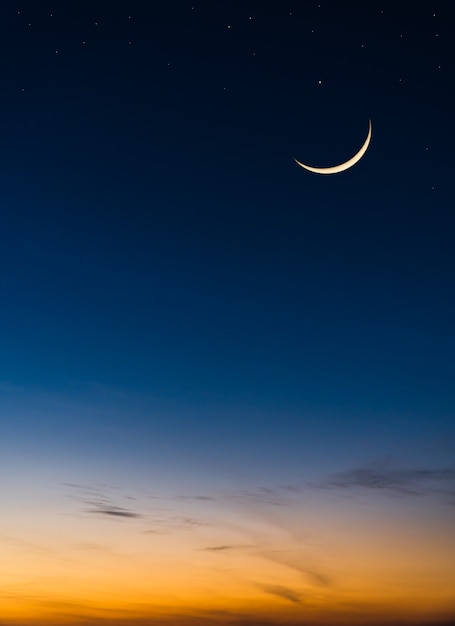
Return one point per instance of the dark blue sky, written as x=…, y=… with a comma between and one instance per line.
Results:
x=158, y=239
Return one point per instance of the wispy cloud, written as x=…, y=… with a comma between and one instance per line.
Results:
x=298, y=561
x=189, y=522
x=286, y=593
x=103, y=501
x=217, y=548
x=266, y=495
x=113, y=511
x=109, y=502
x=195, y=498
x=226, y=547
x=171, y=523
x=414, y=481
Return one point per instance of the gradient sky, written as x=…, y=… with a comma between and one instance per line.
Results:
x=226, y=383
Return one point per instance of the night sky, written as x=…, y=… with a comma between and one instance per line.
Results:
x=226, y=382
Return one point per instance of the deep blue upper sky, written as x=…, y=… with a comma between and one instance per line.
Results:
x=157, y=238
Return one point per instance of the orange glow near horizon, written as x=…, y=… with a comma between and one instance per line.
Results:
x=321, y=563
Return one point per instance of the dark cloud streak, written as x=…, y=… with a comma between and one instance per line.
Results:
x=226, y=548
x=410, y=482
x=285, y=593
x=114, y=511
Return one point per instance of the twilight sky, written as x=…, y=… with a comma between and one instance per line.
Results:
x=226, y=383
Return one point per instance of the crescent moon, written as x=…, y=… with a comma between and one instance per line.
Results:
x=343, y=166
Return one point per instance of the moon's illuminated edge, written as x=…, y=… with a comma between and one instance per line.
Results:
x=336, y=169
